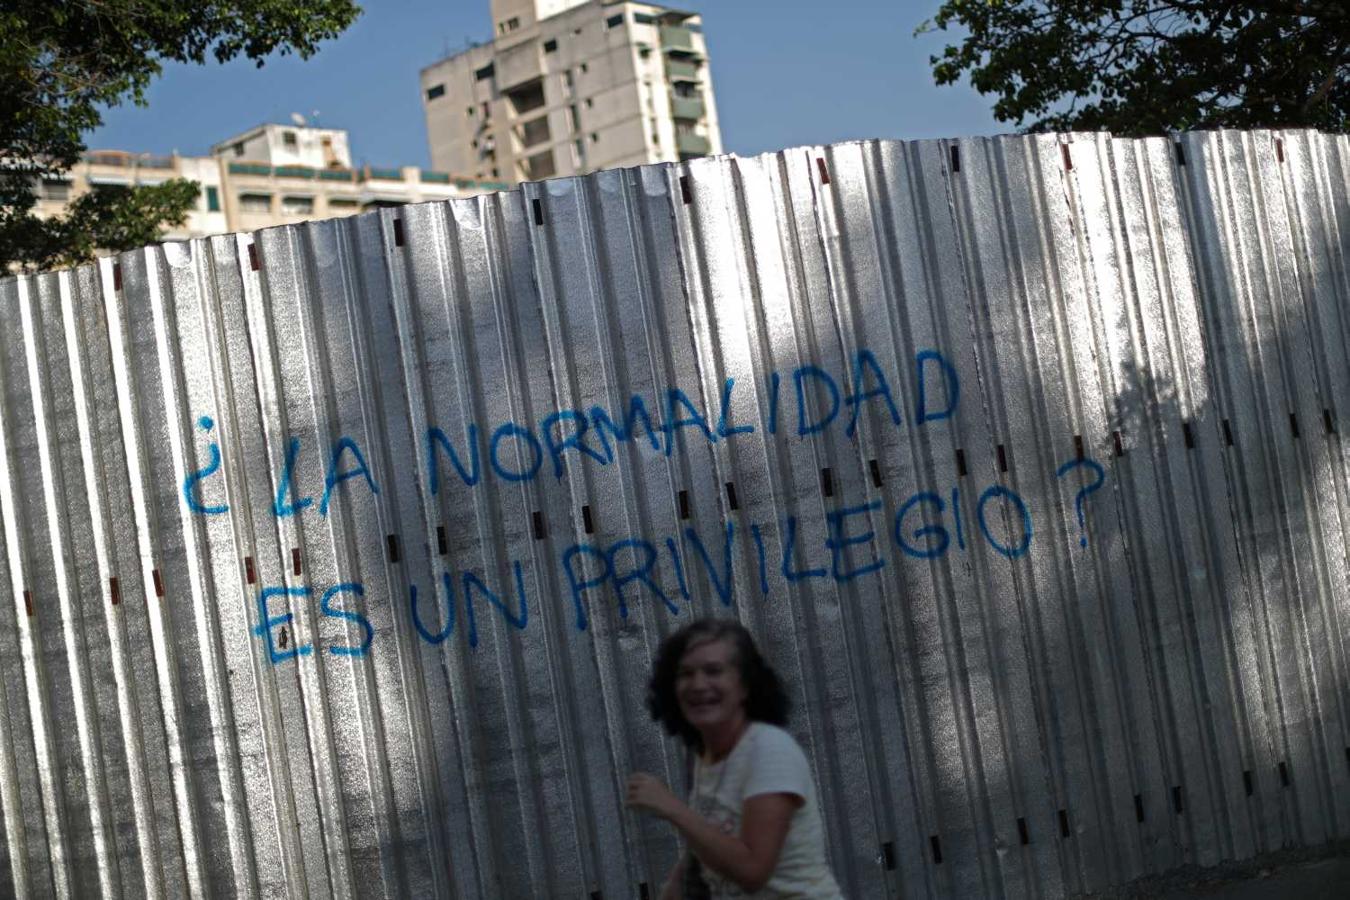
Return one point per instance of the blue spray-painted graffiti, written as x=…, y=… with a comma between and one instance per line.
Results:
x=1099, y=476
x=472, y=583
x=846, y=544
x=519, y=452
x=191, y=482
x=283, y=507
x=842, y=545
x=274, y=629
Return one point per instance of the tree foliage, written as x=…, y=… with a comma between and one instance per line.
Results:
x=1138, y=67
x=63, y=61
x=114, y=217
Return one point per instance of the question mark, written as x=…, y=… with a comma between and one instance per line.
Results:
x=1083, y=492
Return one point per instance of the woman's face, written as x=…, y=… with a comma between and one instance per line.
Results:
x=708, y=685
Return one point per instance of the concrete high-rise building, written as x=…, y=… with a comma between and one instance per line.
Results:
x=568, y=87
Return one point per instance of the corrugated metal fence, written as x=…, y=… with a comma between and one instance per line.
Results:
x=338, y=553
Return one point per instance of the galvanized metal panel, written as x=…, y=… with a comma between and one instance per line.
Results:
x=338, y=553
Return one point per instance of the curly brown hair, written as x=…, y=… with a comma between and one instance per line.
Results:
x=766, y=701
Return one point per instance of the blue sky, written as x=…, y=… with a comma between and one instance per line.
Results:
x=785, y=73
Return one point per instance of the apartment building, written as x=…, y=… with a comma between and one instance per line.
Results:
x=118, y=168
x=568, y=87
x=269, y=175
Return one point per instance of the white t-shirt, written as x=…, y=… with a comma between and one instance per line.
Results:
x=766, y=760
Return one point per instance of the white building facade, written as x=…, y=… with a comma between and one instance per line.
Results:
x=569, y=87
x=269, y=175
x=287, y=145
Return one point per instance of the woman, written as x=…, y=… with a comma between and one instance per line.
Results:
x=753, y=822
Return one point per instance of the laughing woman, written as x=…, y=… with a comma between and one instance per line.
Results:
x=752, y=823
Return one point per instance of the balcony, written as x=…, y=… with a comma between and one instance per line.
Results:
x=692, y=143
x=681, y=70
x=675, y=39
x=122, y=159
x=110, y=158
x=526, y=98
x=540, y=166
x=250, y=169
x=687, y=108
x=535, y=131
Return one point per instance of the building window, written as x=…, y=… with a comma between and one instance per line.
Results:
x=342, y=205
x=573, y=119
x=288, y=139
x=541, y=165
x=255, y=203
x=589, y=102
x=550, y=46
x=595, y=138
x=297, y=206
x=239, y=149
x=644, y=19
x=470, y=112
x=55, y=189
x=614, y=21
x=436, y=90
x=508, y=25
x=535, y=131
x=484, y=73
x=212, y=199
x=585, y=68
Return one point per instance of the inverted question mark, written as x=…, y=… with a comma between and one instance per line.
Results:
x=1083, y=492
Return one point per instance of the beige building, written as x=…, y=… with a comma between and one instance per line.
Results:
x=270, y=175
x=572, y=86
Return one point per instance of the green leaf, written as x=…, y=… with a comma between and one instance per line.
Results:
x=1137, y=67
